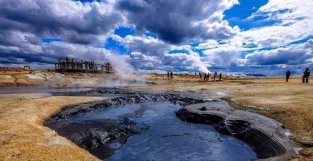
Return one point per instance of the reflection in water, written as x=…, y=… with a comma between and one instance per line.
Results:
x=165, y=137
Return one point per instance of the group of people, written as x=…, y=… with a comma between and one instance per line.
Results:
x=305, y=77
x=206, y=76
x=203, y=76
x=170, y=75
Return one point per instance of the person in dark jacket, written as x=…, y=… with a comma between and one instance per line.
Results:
x=214, y=76
x=208, y=77
x=306, y=75
x=288, y=74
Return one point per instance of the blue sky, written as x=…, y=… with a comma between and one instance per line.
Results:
x=238, y=14
x=245, y=36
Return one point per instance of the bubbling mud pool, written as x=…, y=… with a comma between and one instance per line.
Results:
x=151, y=132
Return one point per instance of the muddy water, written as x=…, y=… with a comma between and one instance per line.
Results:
x=163, y=136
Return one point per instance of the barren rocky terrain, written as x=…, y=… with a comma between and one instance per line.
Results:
x=22, y=112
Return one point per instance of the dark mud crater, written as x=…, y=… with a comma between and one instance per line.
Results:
x=97, y=136
x=264, y=145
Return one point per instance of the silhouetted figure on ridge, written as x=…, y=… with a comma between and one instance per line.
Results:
x=168, y=75
x=288, y=74
x=221, y=76
x=172, y=75
x=200, y=75
x=306, y=75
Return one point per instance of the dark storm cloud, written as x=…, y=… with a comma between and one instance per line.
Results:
x=72, y=21
x=83, y=24
x=24, y=58
x=176, y=21
x=24, y=23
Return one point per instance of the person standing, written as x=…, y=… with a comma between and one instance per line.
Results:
x=208, y=76
x=168, y=75
x=288, y=74
x=306, y=75
x=200, y=75
x=220, y=76
x=172, y=75
x=214, y=76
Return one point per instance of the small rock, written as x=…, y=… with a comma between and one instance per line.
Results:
x=203, y=109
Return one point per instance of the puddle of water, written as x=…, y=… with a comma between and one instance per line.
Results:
x=168, y=138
